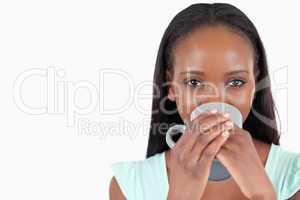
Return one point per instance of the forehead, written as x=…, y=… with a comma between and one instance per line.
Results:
x=212, y=49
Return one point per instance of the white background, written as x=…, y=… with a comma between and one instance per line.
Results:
x=45, y=156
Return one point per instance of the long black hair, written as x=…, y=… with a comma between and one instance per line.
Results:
x=191, y=18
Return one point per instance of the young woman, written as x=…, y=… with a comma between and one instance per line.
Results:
x=211, y=53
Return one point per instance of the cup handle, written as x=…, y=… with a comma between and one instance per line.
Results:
x=217, y=173
x=174, y=130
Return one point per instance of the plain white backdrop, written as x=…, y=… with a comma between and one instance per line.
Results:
x=66, y=66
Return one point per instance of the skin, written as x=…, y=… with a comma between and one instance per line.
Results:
x=216, y=51
x=225, y=60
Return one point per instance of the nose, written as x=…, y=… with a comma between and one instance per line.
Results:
x=215, y=93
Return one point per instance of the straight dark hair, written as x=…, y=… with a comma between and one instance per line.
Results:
x=261, y=121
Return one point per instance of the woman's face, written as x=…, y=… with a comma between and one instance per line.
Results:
x=212, y=64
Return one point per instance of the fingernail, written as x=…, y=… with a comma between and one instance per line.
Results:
x=206, y=133
x=214, y=111
x=229, y=123
x=225, y=134
x=226, y=115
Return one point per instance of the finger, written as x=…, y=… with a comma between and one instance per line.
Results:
x=204, y=124
x=202, y=116
x=188, y=133
x=187, y=140
x=210, y=152
x=205, y=140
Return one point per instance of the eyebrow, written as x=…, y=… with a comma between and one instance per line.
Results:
x=202, y=73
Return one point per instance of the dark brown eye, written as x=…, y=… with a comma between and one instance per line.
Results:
x=236, y=83
x=193, y=82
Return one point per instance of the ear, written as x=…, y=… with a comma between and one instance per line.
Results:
x=171, y=93
x=253, y=96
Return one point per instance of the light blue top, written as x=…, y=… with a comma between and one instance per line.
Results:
x=147, y=179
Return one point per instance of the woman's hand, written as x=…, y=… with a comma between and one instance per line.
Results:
x=191, y=158
x=240, y=158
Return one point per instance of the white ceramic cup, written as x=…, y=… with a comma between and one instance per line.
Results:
x=218, y=172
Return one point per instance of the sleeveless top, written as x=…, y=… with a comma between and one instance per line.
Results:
x=147, y=179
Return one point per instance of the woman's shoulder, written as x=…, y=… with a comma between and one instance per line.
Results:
x=135, y=177
x=138, y=166
x=283, y=158
x=283, y=168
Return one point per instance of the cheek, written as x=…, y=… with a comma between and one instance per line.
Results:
x=242, y=99
x=186, y=102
